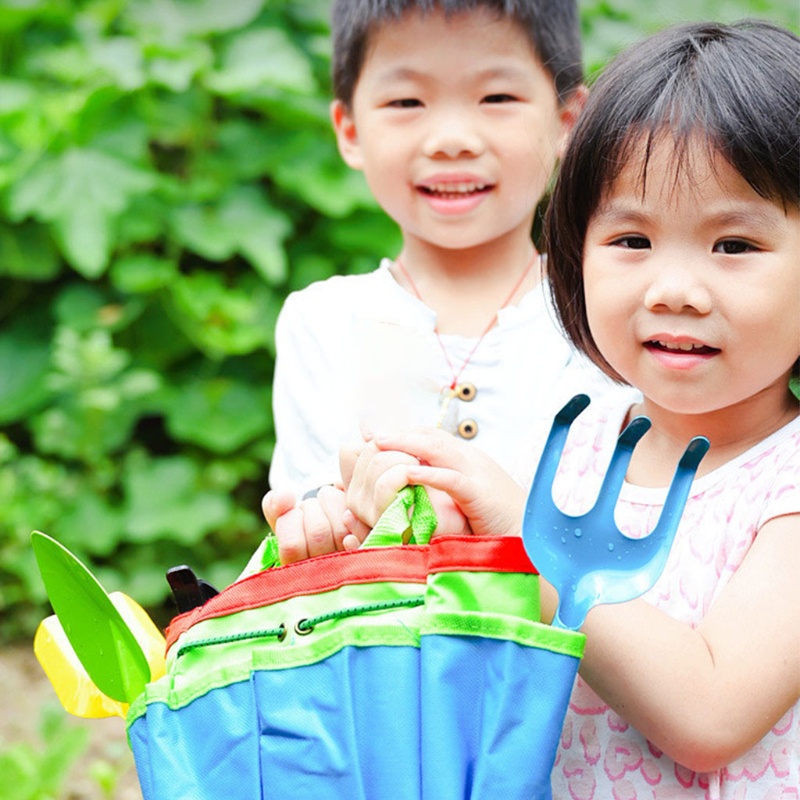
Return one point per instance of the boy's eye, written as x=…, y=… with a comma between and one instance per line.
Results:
x=733, y=247
x=405, y=102
x=499, y=98
x=632, y=242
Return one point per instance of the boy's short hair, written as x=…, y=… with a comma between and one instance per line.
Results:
x=732, y=88
x=551, y=26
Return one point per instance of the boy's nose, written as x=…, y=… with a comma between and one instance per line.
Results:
x=452, y=136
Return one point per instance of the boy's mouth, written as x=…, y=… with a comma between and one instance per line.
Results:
x=455, y=191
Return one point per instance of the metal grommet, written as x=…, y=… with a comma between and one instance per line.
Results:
x=282, y=634
x=468, y=429
x=466, y=392
x=302, y=628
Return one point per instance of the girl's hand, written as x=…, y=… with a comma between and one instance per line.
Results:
x=478, y=488
x=373, y=478
x=312, y=527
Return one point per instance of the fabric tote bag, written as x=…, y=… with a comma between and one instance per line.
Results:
x=414, y=667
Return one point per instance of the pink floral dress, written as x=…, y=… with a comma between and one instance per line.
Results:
x=601, y=757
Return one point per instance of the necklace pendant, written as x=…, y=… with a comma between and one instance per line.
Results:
x=448, y=411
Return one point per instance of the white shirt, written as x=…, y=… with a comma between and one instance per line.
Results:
x=361, y=350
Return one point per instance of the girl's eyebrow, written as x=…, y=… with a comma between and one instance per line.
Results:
x=751, y=216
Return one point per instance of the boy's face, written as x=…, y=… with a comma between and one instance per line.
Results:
x=456, y=126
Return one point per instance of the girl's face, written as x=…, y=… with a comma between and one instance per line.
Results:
x=693, y=285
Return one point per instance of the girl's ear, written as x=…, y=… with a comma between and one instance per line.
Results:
x=569, y=113
x=344, y=127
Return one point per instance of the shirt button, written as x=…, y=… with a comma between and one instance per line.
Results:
x=468, y=429
x=466, y=392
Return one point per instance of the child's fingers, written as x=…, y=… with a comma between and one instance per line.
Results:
x=291, y=536
x=276, y=503
x=318, y=529
x=431, y=445
x=357, y=531
x=333, y=503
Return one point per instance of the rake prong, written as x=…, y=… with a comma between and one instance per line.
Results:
x=586, y=558
x=628, y=439
x=540, y=496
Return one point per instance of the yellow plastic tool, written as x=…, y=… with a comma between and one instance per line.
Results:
x=74, y=688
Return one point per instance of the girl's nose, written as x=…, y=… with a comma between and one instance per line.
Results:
x=678, y=288
x=452, y=135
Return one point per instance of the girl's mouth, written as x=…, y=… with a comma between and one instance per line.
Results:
x=688, y=348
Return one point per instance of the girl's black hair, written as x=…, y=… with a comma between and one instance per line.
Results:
x=734, y=88
x=551, y=26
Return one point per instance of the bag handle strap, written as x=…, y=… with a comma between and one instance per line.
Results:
x=409, y=519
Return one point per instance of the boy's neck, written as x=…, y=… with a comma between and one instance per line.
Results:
x=466, y=288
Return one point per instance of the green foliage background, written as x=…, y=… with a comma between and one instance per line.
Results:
x=167, y=175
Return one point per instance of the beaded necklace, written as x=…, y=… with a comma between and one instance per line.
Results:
x=452, y=391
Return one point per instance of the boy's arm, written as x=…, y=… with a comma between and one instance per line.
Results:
x=308, y=398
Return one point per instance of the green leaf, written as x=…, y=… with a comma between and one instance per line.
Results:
x=82, y=192
x=27, y=252
x=142, y=273
x=24, y=364
x=225, y=320
x=165, y=499
x=175, y=19
x=263, y=56
x=242, y=223
x=220, y=414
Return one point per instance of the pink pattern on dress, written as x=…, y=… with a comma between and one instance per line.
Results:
x=601, y=757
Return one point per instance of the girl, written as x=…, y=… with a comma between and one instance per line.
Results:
x=674, y=236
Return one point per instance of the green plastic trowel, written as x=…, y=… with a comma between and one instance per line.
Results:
x=102, y=640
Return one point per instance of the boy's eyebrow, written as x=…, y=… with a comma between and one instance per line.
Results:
x=410, y=74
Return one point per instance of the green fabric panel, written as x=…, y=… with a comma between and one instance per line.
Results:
x=233, y=661
x=514, y=594
x=498, y=626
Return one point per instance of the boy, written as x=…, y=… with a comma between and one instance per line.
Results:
x=456, y=112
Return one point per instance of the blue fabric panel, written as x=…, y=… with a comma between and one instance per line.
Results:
x=493, y=713
x=346, y=727
x=207, y=750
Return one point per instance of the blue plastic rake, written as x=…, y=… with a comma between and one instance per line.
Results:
x=586, y=558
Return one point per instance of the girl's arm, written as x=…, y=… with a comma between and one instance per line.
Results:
x=703, y=696
x=706, y=696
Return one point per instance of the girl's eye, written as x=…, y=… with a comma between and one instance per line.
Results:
x=405, y=102
x=734, y=247
x=499, y=98
x=632, y=242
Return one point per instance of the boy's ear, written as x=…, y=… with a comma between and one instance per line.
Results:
x=569, y=113
x=344, y=127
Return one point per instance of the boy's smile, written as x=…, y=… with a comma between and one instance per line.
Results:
x=456, y=126
x=692, y=285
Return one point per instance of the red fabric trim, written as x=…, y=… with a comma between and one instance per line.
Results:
x=409, y=564
x=479, y=554
x=313, y=576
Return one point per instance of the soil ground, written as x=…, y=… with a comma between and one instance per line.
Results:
x=24, y=693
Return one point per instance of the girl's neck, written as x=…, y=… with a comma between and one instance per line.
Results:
x=467, y=287
x=731, y=431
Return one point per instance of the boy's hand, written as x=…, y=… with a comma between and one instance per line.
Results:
x=491, y=501
x=311, y=527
